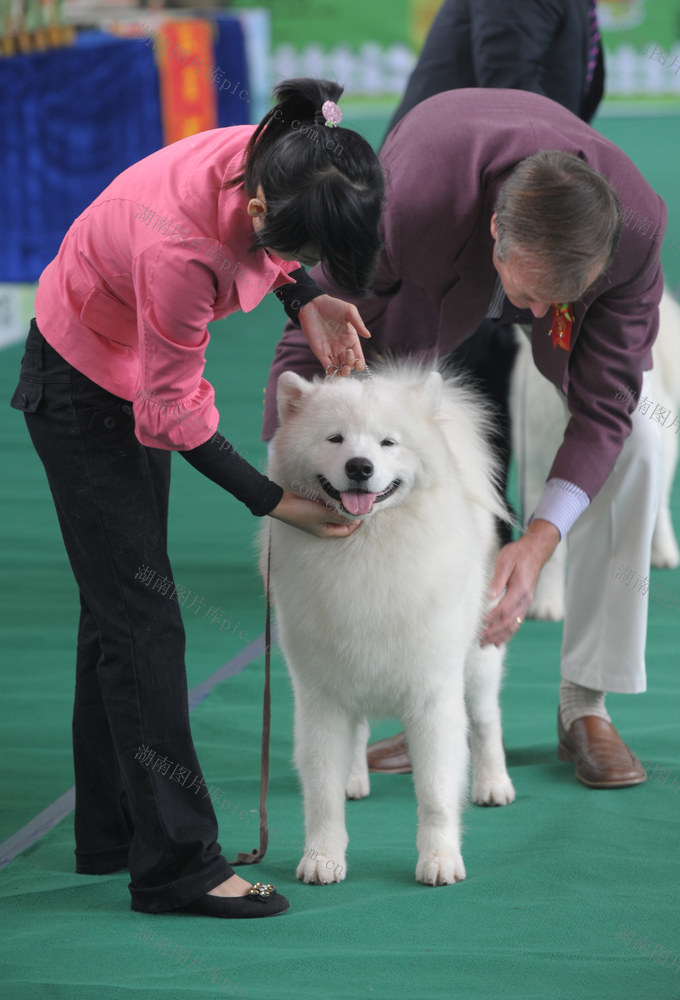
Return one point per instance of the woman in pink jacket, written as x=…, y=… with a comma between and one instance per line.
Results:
x=112, y=383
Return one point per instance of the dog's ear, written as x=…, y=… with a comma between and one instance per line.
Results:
x=291, y=389
x=430, y=392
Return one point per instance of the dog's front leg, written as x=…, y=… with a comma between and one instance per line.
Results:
x=323, y=750
x=438, y=745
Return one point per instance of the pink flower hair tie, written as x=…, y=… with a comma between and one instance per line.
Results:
x=332, y=114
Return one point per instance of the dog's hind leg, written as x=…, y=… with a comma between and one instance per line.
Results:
x=548, y=602
x=359, y=784
x=491, y=784
x=438, y=748
x=664, y=545
x=323, y=753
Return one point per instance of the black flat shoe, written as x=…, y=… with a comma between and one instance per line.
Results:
x=261, y=901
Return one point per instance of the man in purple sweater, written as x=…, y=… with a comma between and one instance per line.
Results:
x=476, y=225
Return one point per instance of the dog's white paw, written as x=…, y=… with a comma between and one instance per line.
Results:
x=493, y=791
x=358, y=784
x=318, y=868
x=440, y=869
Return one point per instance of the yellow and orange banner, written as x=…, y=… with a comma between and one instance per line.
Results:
x=186, y=58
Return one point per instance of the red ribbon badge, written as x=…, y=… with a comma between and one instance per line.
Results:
x=562, y=322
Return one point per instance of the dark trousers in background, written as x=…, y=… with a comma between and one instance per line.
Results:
x=487, y=358
x=141, y=801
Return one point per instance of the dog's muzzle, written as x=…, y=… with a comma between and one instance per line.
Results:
x=357, y=501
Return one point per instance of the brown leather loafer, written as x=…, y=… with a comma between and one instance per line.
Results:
x=602, y=758
x=389, y=756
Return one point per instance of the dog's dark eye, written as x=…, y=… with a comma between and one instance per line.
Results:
x=387, y=443
x=335, y=439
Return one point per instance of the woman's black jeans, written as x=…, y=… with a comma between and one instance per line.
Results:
x=141, y=801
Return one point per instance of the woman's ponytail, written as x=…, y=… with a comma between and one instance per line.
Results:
x=323, y=186
x=298, y=103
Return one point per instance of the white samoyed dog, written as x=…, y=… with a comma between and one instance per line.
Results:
x=386, y=622
x=535, y=443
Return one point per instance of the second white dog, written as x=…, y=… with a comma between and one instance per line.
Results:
x=386, y=621
x=539, y=417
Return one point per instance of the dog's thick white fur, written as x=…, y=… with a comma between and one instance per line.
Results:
x=386, y=621
x=535, y=443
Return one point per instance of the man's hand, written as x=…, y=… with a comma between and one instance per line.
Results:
x=516, y=572
x=313, y=517
x=333, y=328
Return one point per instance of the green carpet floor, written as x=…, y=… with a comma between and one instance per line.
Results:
x=570, y=893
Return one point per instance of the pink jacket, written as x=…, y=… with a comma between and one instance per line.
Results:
x=162, y=252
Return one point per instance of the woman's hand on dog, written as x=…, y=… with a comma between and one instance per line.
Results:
x=515, y=575
x=333, y=328
x=313, y=517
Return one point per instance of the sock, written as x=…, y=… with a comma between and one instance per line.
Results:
x=577, y=701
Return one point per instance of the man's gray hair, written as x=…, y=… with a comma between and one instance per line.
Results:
x=560, y=217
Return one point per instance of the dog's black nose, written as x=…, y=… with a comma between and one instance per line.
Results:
x=359, y=469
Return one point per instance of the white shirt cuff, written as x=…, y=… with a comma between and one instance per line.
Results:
x=561, y=504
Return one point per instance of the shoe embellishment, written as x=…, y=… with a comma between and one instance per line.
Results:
x=261, y=891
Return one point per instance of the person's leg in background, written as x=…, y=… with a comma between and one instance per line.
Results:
x=605, y=624
x=487, y=358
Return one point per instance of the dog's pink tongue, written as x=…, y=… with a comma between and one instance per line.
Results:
x=358, y=503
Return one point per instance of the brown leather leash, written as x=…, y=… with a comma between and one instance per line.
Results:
x=259, y=852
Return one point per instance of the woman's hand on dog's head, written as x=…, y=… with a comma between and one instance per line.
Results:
x=313, y=517
x=333, y=328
